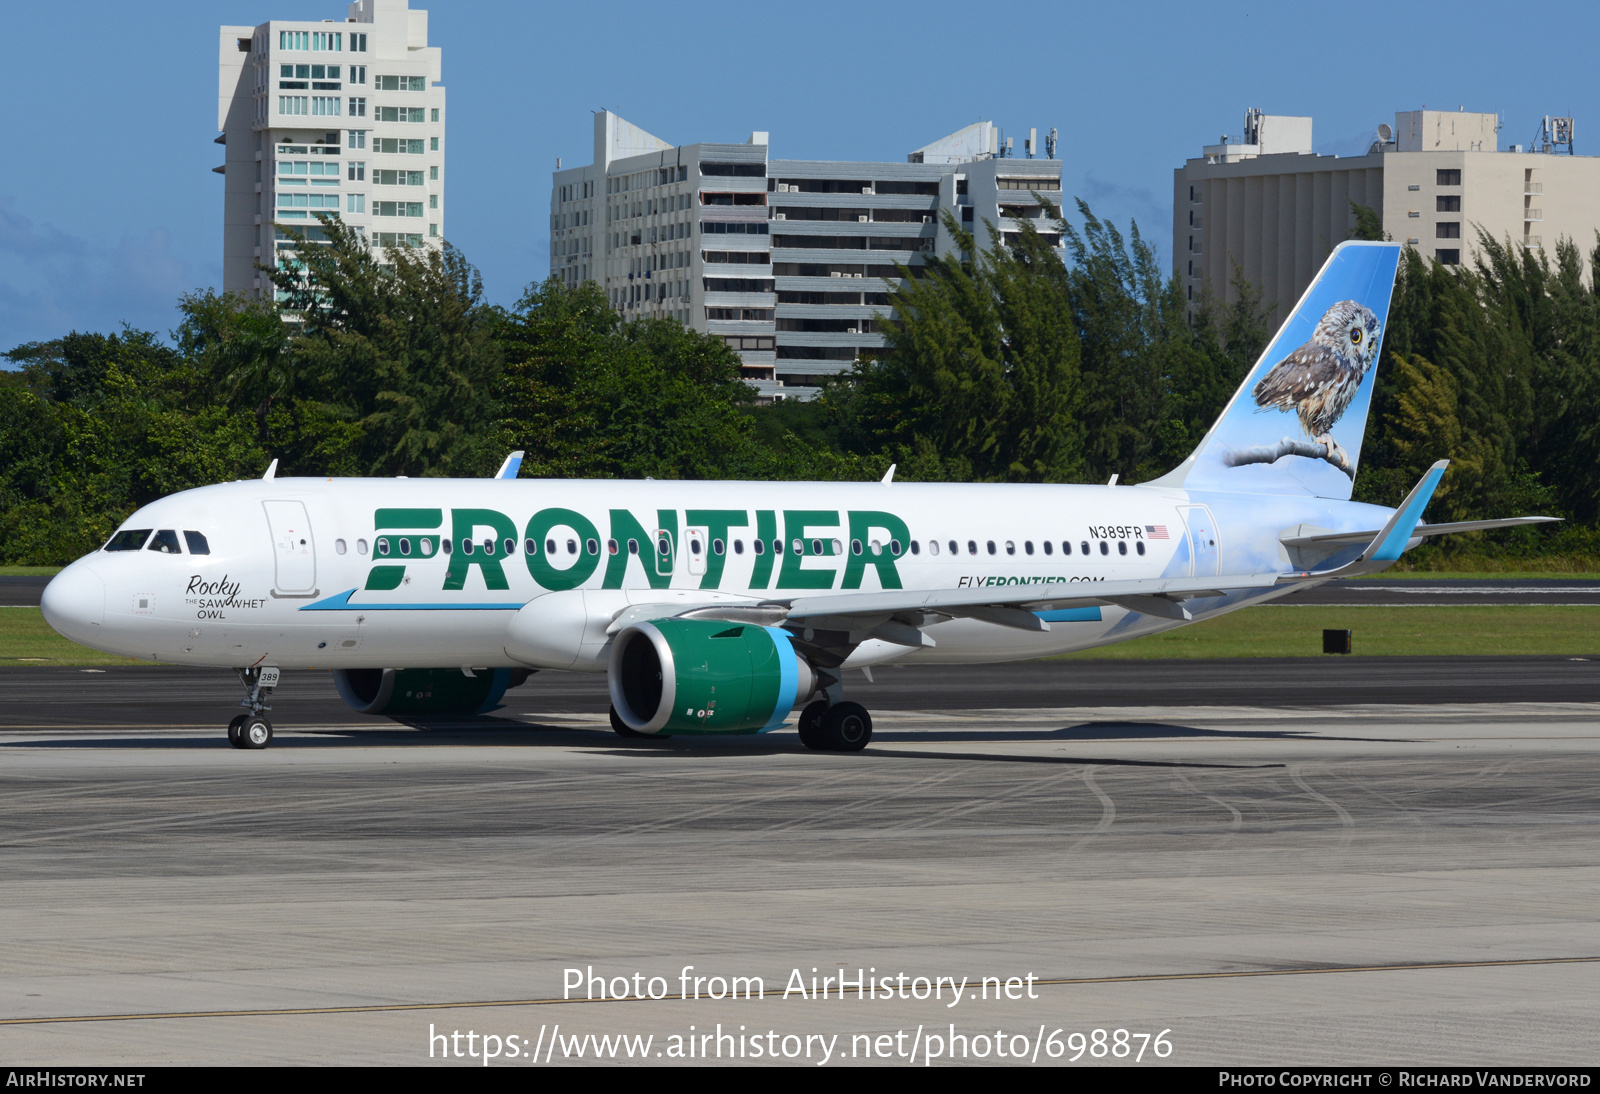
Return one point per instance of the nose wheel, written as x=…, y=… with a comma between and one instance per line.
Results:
x=253, y=730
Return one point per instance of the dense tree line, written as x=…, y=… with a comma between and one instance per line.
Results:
x=1011, y=363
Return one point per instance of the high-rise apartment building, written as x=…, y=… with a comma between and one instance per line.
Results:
x=791, y=261
x=343, y=118
x=1270, y=204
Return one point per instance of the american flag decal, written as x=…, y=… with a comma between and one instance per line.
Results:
x=1156, y=531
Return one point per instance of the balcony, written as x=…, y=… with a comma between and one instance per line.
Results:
x=1532, y=189
x=1532, y=214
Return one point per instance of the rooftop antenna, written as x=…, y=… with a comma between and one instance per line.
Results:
x=1031, y=146
x=1050, y=144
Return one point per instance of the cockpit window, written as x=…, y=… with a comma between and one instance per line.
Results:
x=165, y=541
x=129, y=539
x=198, y=545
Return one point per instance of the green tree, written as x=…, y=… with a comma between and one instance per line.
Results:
x=404, y=346
x=980, y=378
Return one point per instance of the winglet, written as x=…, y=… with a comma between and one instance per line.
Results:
x=888, y=476
x=272, y=471
x=1391, y=540
x=509, y=469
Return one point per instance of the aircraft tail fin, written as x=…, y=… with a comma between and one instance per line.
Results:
x=1295, y=424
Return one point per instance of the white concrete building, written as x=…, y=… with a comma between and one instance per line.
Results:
x=1269, y=203
x=791, y=261
x=345, y=118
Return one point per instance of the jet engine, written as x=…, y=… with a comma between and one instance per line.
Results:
x=706, y=676
x=425, y=691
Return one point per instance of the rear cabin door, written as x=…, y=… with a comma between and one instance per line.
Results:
x=1203, y=540
x=696, y=540
x=294, y=551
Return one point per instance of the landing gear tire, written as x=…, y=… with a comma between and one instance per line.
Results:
x=622, y=729
x=234, y=727
x=813, y=720
x=255, y=732
x=847, y=727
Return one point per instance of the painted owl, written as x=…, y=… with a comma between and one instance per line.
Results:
x=1318, y=380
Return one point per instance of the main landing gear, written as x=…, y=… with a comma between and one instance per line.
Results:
x=253, y=730
x=839, y=727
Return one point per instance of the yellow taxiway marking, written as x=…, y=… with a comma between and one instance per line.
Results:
x=381, y=1008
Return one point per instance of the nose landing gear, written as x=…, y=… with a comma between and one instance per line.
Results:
x=253, y=730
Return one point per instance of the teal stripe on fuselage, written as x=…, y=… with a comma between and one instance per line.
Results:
x=341, y=603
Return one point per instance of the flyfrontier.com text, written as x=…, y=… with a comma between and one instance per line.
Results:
x=866, y=985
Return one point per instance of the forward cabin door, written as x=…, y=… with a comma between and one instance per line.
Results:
x=1203, y=546
x=294, y=551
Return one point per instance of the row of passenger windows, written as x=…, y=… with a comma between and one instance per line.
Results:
x=165, y=541
x=426, y=545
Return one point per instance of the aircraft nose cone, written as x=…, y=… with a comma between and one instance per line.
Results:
x=74, y=602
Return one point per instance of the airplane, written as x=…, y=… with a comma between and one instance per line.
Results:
x=721, y=607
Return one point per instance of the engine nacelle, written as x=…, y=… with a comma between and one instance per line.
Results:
x=425, y=691
x=706, y=676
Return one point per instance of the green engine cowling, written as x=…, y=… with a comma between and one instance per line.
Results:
x=425, y=691
x=706, y=676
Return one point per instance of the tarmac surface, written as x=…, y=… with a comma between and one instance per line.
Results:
x=1268, y=881
x=26, y=590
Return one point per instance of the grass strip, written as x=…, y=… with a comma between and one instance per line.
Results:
x=26, y=639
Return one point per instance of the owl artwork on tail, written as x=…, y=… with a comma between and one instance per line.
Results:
x=1318, y=380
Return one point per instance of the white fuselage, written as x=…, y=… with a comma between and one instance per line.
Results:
x=354, y=573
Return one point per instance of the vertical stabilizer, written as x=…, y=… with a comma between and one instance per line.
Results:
x=1295, y=424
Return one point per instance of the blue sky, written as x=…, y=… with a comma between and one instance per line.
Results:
x=109, y=209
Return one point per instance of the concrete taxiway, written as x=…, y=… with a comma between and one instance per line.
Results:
x=1269, y=882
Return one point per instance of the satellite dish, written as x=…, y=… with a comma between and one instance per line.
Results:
x=1385, y=134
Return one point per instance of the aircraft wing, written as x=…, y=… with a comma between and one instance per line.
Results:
x=1015, y=605
x=1344, y=539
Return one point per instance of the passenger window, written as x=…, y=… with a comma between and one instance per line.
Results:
x=572, y=546
x=549, y=546
x=338, y=547
x=198, y=545
x=383, y=545
x=361, y=546
x=130, y=539
x=933, y=546
x=488, y=547
x=633, y=546
x=446, y=545
x=877, y=548
x=738, y=546
x=466, y=547
x=894, y=547
x=838, y=548
x=972, y=546
x=1084, y=545
x=165, y=541
x=1122, y=546
x=914, y=548
x=759, y=546
x=799, y=547
x=612, y=547
x=954, y=549
x=591, y=546
x=816, y=546
x=1048, y=548
x=405, y=545
x=1011, y=547
x=1139, y=546
x=1104, y=549
x=510, y=546
x=1028, y=546
x=777, y=546
x=694, y=546
x=991, y=546
x=716, y=547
